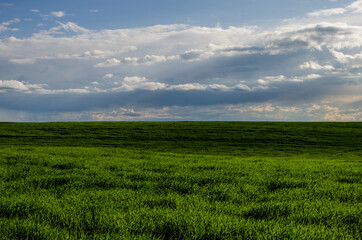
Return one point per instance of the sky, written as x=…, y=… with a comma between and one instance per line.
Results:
x=168, y=60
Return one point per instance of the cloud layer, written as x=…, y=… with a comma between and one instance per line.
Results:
x=304, y=69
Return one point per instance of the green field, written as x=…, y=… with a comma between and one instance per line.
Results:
x=181, y=180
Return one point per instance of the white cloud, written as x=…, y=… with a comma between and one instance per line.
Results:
x=309, y=76
x=219, y=87
x=134, y=79
x=275, y=79
x=18, y=86
x=288, y=109
x=95, y=10
x=58, y=14
x=148, y=60
x=196, y=54
x=108, y=76
x=243, y=87
x=14, y=85
x=108, y=63
x=355, y=7
x=236, y=112
x=346, y=99
x=123, y=114
x=314, y=107
x=35, y=10
x=349, y=60
x=335, y=114
x=59, y=91
x=70, y=26
x=194, y=43
x=22, y=61
x=262, y=108
x=190, y=55
x=315, y=66
x=327, y=12
x=87, y=55
x=280, y=79
x=311, y=112
x=4, y=26
x=197, y=43
x=142, y=83
x=188, y=87
x=135, y=82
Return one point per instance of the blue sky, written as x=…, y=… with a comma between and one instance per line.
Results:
x=111, y=14
x=181, y=60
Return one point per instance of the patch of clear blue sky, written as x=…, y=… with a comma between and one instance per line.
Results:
x=115, y=14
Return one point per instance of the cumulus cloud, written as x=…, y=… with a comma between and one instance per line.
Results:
x=107, y=41
x=70, y=26
x=4, y=26
x=14, y=85
x=355, y=7
x=57, y=14
x=333, y=113
x=349, y=60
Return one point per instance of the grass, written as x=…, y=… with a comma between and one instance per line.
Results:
x=186, y=180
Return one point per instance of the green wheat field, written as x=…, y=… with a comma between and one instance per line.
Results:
x=181, y=180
